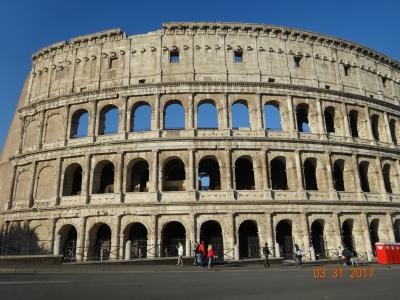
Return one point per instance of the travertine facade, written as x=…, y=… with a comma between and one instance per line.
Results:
x=332, y=182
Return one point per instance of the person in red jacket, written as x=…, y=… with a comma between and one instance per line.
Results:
x=210, y=255
x=202, y=253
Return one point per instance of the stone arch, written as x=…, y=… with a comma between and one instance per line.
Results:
x=141, y=113
x=79, y=124
x=23, y=183
x=347, y=234
x=389, y=178
x=209, y=173
x=302, y=118
x=108, y=119
x=104, y=177
x=174, y=175
x=174, y=115
x=278, y=174
x=318, y=239
x=172, y=233
x=136, y=240
x=393, y=130
x=68, y=236
x=211, y=234
x=240, y=114
x=244, y=173
x=353, y=120
x=137, y=177
x=310, y=174
x=363, y=169
x=207, y=115
x=329, y=117
x=375, y=127
x=338, y=175
x=72, y=185
x=52, y=126
x=31, y=131
x=99, y=242
x=45, y=183
x=249, y=241
x=272, y=116
x=374, y=234
x=284, y=238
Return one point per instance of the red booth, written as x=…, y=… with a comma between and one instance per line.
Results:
x=388, y=253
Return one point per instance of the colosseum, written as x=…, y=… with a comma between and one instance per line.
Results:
x=233, y=133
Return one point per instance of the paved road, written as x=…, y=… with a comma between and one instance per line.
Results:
x=197, y=283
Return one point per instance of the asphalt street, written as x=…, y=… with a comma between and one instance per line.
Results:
x=198, y=283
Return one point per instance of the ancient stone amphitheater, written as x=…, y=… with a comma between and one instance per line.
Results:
x=236, y=134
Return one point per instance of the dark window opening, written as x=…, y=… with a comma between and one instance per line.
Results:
x=103, y=243
x=271, y=79
x=374, y=234
x=384, y=81
x=209, y=175
x=329, y=115
x=346, y=69
x=139, y=177
x=317, y=239
x=284, y=239
x=211, y=234
x=238, y=56
x=278, y=174
x=79, y=124
x=392, y=127
x=72, y=180
x=174, y=175
x=396, y=228
x=172, y=234
x=310, y=175
x=338, y=169
x=174, y=56
x=353, y=116
x=375, y=127
x=297, y=60
x=106, y=184
x=327, y=87
x=249, y=243
x=347, y=234
x=138, y=236
x=142, y=81
x=244, y=174
x=386, y=178
x=363, y=171
x=302, y=118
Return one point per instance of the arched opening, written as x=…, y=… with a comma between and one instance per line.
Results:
x=353, y=119
x=209, y=174
x=101, y=239
x=249, y=243
x=72, y=180
x=68, y=240
x=207, y=115
x=278, y=174
x=310, y=174
x=138, y=177
x=240, y=115
x=244, y=174
x=347, y=234
x=393, y=129
x=386, y=178
x=396, y=229
x=302, y=118
x=374, y=234
x=79, y=124
x=108, y=122
x=272, y=117
x=329, y=115
x=338, y=170
x=375, y=127
x=317, y=238
x=363, y=171
x=174, y=175
x=138, y=236
x=103, y=178
x=141, y=117
x=284, y=239
x=174, y=116
x=172, y=234
x=211, y=234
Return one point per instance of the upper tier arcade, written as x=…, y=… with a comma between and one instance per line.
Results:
x=212, y=52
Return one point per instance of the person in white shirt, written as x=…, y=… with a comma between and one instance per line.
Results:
x=180, y=255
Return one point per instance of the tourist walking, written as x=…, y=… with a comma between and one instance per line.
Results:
x=180, y=255
x=210, y=255
x=202, y=253
x=266, y=253
x=298, y=255
x=196, y=252
x=340, y=256
x=353, y=257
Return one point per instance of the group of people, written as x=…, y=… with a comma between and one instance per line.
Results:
x=200, y=255
x=348, y=256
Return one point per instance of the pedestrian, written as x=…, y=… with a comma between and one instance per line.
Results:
x=180, y=255
x=298, y=255
x=266, y=253
x=196, y=255
x=202, y=253
x=340, y=256
x=210, y=255
x=346, y=256
x=353, y=257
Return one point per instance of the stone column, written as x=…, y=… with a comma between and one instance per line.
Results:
x=292, y=125
x=228, y=169
x=346, y=125
x=226, y=112
x=264, y=163
x=390, y=229
x=337, y=229
x=86, y=178
x=21, y=134
x=380, y=175
x=299, y=171
x=41, y=129
x=356, y=174
x=66, y=124
x=191, y=169
x=367, y=238
x=81, y=250
x=156, y=113
x=329, y=173
x=122, y=128
x=12, y=188
x=387, y=127
x=93, y=120
x=32, y=184
x=190, y=118
x=156, y=249
x=321, y=124
x=270, y=233
x=368, y=124
x=154, y=174
x=259, y=112
x=306, y=235
x=58, y=181
x=120, y=176
x=115, y=238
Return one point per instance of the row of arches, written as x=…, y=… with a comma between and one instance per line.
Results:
x=208, y=118
x=137, y=243
x=209, y=176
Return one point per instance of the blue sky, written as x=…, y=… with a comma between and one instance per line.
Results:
x=26, y=26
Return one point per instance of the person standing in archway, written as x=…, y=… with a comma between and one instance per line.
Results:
x=298, y=255
x=202, y=252
x=180, y=255
x=266, y=253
